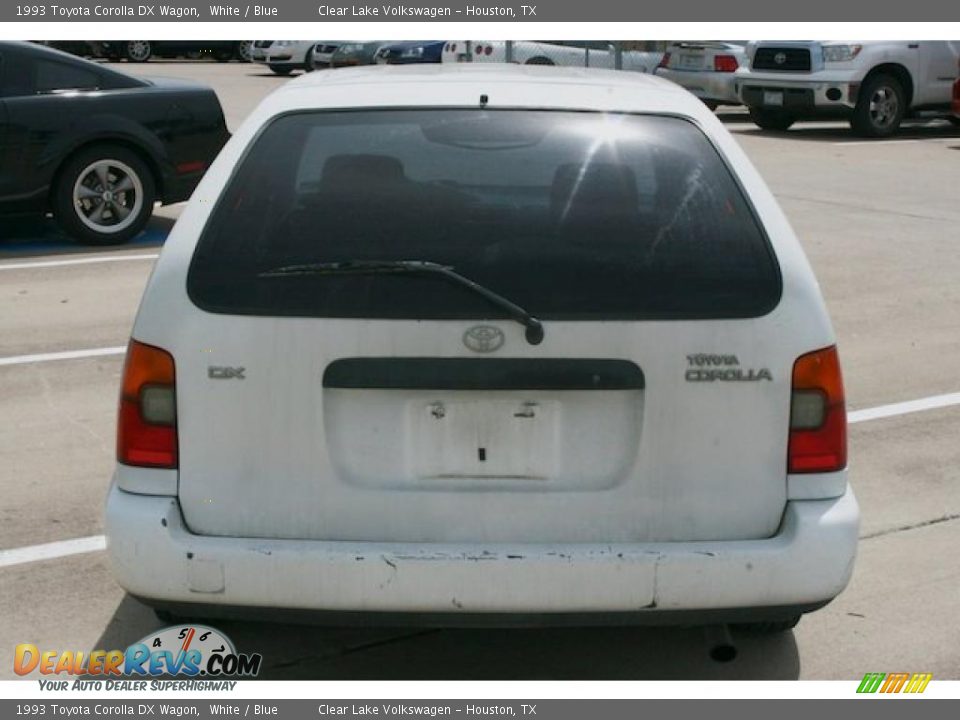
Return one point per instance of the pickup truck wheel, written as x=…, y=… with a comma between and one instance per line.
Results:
x=281, y=69
x=768, y=119
x=104, y=195
x=880, y=107
x=769, y=627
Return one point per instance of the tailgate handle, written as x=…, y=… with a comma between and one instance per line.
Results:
x=483, y=374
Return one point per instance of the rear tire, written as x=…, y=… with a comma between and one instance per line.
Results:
x=244, y=50
x=103, y=195
x=767, y=119
x=138, y=51
x=768, y=627
x=281, y=69
x=539, y=61
x=308, y=61
x=880, y=107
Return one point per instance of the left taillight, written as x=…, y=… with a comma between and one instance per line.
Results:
x=147, y=422
x=818, y=414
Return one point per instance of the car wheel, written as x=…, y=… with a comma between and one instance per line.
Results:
x=771, y=119
x=104, y=195
x=768, y=627
x=880, y=107
x=955, y=120
x=281, y=69
x=711, y=104
x=539, y=61
x=308, y=61
x=223, y=56
x=244, y=50
x=138, y=50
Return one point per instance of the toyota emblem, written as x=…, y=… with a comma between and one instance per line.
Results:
x=484, y=338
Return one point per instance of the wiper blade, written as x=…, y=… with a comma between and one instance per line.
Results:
x=534, y=328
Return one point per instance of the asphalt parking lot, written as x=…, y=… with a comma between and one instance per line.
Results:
x=880, y=222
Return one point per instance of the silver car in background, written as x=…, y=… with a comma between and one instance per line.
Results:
x=284, y=56
x=322, y=53
x=706, y=69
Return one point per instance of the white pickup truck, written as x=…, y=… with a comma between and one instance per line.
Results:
x=873, y=84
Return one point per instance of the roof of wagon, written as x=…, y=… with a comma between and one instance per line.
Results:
x=447, y=84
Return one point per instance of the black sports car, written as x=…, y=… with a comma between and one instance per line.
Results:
x=143, y=50
x=98, y=148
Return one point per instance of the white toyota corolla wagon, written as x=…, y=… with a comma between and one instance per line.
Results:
x=483, y=343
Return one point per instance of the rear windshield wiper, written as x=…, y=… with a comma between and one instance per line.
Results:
x=534, y=328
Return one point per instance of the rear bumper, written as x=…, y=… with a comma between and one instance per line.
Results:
x=824, y=93
x=714, y=86
x=155, y=557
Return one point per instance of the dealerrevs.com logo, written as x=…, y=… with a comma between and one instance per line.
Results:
x=185, y=650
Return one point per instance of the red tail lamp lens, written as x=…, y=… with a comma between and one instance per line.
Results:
x=147, y=426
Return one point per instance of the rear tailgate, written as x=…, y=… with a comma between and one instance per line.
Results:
x=406, y=408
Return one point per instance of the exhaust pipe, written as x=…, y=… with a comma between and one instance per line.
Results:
x=720, y=645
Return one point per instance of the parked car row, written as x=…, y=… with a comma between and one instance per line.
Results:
x=875, y=85
x=144, y=50
x=285, y=56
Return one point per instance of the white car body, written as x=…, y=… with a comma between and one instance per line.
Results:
x=826, y=86
x=673, y=497
x=527, y=52
x=692, y=66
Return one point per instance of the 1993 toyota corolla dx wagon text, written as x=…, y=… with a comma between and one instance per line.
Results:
x=484, y=343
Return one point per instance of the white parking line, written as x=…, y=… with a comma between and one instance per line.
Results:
x=49, y=551
x=898, y=142
x=903, y=408
x=78, y=261
x=66, y=355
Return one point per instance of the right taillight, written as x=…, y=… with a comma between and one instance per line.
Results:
x=664, y=61
x=725, y=63
x=147, y=423
x=818, y=416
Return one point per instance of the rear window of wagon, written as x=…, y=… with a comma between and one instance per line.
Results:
x=572, y=215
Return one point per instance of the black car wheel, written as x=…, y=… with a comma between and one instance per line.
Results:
x=104, y=195
x=768, y=119
x=138, y=50
x=539, y=61
x=281, y=69
x=308, y=61
x=244, y=50
x=880, y=107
